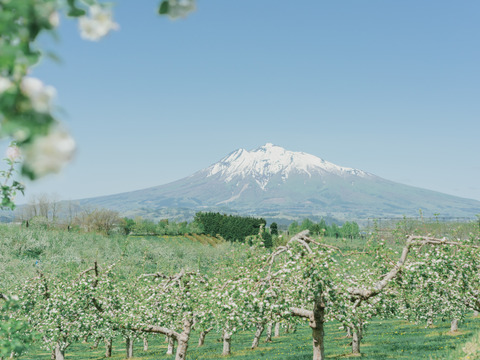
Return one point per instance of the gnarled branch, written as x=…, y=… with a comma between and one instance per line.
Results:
x=307, y=314
x=157, y=330
x=412, y=240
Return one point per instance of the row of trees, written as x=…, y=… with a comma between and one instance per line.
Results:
x=140, y=226
x=349, y=230
x=90, y=220
x=50, y=207
x=230, y=227
x=303, y=279
x=48, y=210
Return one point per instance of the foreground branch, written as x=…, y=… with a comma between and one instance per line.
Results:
x=412, y=240
x=157, y=330
x=307, y=314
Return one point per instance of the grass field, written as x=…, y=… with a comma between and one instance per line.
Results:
x=60, y=253
x=392, y=339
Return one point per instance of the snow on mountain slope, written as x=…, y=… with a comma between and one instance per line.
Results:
x=269, y=160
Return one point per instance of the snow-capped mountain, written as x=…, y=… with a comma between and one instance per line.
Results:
x=269, y=160
x=277, y=183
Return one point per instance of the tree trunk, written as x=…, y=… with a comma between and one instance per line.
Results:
x=171, y=345
x=183, y=340
x=454, y=325
x=269, y=332
x=430, y=319
x=291, y=328
x=59, y=352
x=349, y=332
x=227, y=339
x=108, y=348
x=475, y=313
x=317, y=330
x=145, y=343
x=129, y=347
x=277, y=330
x=356, y=339
x=201, y=339
x=258, y=333
x=203, y=334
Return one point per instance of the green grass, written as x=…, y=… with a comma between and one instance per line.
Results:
x=467, y=351
x=392, y=339
x=62, y=254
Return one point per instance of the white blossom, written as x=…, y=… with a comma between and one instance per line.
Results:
x=13, y=153
x=180, y=8
x=99, y=24
x=54, y=19
x=50, y=153
x=5, y=84
x=40, y=95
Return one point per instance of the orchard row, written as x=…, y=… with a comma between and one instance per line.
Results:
x=421, y=280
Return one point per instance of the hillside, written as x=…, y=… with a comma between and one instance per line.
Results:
x=276, y=183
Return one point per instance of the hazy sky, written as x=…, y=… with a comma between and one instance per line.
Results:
x=389, y=87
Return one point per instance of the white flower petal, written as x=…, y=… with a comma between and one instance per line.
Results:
x=13, y=153
x=40, y=95
x=49, y=154
x=98, y=24
x=5, y=84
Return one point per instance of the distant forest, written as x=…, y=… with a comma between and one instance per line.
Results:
x=230, y=227
x=349, y=229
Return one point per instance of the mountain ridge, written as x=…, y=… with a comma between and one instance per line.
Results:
x=273, y=181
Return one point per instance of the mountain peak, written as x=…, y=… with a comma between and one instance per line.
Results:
x=270, y=160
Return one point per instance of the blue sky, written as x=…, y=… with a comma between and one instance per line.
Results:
x=389, y=87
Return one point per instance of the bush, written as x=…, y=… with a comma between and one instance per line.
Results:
x=39, y=222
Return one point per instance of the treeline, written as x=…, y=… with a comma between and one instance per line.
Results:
x=348, y=230
x=230, y=227
x=140, y=226
x=43, y=212
x=47, y=211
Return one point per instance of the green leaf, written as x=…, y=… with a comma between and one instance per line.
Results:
x=74, y=10
x=28, y=172
x=164, y=8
